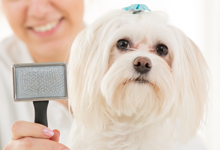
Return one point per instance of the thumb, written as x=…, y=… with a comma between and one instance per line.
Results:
x=56, y=135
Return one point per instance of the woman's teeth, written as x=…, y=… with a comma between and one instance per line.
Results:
x=46, y=27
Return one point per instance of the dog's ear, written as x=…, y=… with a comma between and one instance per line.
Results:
x=191, y=75
x=87, y=65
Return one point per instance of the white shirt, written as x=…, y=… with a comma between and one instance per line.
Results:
x=14, y=51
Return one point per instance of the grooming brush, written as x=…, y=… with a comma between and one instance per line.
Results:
x=40, y=82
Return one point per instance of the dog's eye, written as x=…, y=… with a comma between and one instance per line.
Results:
x=122, y=44
x=162, y=50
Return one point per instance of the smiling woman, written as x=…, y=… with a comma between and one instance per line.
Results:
x=45, y=26
x=43, y=32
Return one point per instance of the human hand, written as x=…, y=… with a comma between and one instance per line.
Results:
x=33, y=136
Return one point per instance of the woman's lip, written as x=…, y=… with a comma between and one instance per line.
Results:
x=47, y=33
x=42, y=23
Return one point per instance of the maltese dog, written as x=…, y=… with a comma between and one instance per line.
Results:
x=137, y=83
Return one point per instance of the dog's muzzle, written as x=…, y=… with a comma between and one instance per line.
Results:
x=142, y=64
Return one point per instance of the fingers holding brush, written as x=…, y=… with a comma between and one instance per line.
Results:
x=33, y=136
x=21, y=129
x=29, y=143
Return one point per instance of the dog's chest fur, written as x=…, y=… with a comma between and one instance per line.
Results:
x=153, y=137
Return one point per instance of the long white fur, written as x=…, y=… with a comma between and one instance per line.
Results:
x=112, y=113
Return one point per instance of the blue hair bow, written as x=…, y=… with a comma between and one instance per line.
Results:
x=136, y=8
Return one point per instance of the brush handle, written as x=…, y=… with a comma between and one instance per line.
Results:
x=40, y=108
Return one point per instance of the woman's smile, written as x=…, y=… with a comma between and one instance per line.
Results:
x=46, y=29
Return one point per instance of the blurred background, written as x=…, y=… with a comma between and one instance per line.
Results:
x=199, y=19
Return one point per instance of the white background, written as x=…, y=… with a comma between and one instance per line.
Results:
x=199, y=19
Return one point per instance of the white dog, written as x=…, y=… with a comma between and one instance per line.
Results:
x=136, y=83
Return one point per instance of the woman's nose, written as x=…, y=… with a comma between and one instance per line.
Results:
x=38, y=8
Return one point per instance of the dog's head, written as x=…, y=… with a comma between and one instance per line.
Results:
x=137, y=69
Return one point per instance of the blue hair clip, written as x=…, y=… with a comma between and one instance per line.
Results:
x=136, y=8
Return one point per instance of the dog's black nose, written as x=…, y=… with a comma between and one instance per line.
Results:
x=142, y=64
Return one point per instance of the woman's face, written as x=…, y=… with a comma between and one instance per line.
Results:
x=46, y=26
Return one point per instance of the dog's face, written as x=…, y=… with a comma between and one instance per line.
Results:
x=137, y=69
